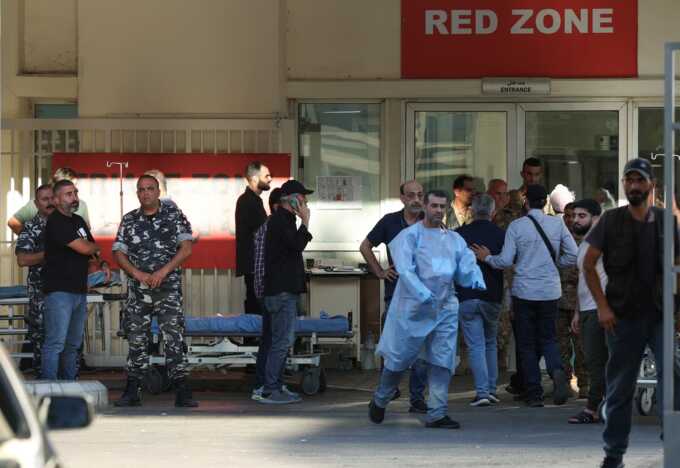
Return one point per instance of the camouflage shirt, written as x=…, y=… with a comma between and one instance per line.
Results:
x=32, y=240
x=569, y=280
x=151, y=242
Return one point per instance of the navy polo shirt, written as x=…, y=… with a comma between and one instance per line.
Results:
x=383, y=232
x=483, y=232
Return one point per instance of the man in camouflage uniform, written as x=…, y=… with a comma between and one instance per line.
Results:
x=30, y=252
x=569, y=344
x=151, y=244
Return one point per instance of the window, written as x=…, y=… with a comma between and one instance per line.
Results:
x=339, y=158
x=650, y=144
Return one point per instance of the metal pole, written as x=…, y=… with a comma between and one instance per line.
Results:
x=670, y=420
x=121, y=165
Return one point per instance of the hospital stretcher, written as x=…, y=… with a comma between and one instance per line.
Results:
x=12, y=297
x=225, y=347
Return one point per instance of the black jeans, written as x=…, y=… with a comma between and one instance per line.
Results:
x=626, y=347
x=251, y=305
x=536, y=334
x=595, y=354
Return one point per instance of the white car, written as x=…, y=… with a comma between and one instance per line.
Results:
x=23, y=436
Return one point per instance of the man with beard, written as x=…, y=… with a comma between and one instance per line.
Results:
x=411, y=195
x=30, y=252
x=250, y=215
x=459, y=213
x=423, y=316
x=69, y=247
x=630, y=307
x=586, y=214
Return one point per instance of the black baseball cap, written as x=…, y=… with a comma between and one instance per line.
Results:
x=536, y=192
x=293, y=186
x=590, y=205
x=641, y=166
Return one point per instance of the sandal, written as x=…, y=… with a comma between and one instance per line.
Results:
x=584, y=417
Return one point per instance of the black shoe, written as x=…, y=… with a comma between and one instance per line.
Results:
x=535, y=403
x=183, y=395
x=132, y=396
x=560, y=387
x=521, y=397
x=444, y=423
x=611, y=462
x=375, y=413
x=418, y=407
x=397, y=394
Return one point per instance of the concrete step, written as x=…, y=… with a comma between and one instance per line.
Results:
x=95, y=389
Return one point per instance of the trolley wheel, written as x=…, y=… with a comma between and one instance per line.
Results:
x=310, y=381
x=644, y=401
x=156, y=380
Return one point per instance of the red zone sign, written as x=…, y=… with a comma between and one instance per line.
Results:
x=519, y=38
x=205, y=187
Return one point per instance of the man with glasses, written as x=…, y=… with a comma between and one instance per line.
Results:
x=411, y=195
x=152, y=243
x=459, y=213
x=629, y=240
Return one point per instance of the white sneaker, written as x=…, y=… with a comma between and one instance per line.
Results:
x=257, y=393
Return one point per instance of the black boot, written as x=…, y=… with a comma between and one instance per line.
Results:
x=132, y=396
x=183, y=396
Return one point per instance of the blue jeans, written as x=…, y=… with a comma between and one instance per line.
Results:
x=282, y=309
x=439, y=379
x=264, y=347
x=418, y=376
x=479, y=320
x=626, y=347
x=536, y=335
x=64, y=320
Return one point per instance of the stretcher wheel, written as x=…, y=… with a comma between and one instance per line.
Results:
x=310, y=381
x=157, y=381
x=644, y=400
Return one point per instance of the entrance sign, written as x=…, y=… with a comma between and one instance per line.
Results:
x=205, y=187
x=490, y=38
x=516, y=87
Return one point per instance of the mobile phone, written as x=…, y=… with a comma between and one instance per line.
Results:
x=295, y=204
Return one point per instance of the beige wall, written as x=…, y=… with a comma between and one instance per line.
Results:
x=350, y=39
x=179, y=57
x=50, y=36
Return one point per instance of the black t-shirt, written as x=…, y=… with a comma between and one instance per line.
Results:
x=65, y=269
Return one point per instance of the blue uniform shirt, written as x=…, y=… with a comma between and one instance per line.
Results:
x=383, y=232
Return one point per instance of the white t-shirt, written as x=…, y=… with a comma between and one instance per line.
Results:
x=585, y=298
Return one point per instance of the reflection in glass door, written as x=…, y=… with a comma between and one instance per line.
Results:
x=580, y=148
x=449, y=140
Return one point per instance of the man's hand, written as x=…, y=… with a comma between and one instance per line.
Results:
x=390, y=274
x=575, y=323
x=480, y=251
x=607, y=319
x=303, y=213
x=142, y=277
x=157, y=277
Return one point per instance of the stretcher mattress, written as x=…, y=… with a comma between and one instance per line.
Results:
x=250, y=324
x=11, y=292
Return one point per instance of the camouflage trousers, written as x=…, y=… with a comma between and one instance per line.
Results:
x=34, y=323
x=166, y=306
x=570, y=346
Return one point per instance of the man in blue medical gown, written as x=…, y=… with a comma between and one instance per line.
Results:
x=423, y=318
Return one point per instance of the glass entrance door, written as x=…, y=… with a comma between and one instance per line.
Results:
x=445, y=141
x=582, y=146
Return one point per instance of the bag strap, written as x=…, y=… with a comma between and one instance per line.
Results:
x=545, y=239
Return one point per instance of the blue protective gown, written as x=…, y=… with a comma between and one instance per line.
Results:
x=423, y=317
